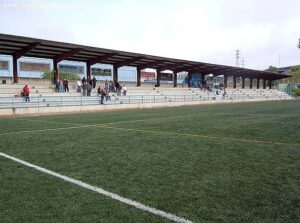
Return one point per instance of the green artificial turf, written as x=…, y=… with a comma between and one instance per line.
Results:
x=209, y=163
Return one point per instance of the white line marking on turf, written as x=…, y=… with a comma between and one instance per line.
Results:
x=101, y=191
x=153, y=131
x=132, y=121
x=44, y=130
x=87, y=125
x=120, y=122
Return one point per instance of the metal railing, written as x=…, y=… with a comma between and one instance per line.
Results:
x=62, y=101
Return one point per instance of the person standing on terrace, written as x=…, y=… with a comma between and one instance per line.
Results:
x=26, y=92
x=94, y=81
x=66, y=85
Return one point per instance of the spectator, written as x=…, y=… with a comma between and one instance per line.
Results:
x=61, y=86
x=26, y=92
x=224, y=94
x=78, y=86
x=118, y=88
x=94, y=80
x=84, y=89
x=89, y=81
x=112, y=86
x=106, y=86
x=57, y=83
x=99, y=90
x=22, y=94
x=83, y=80
x=124, y=90
x=204, y=83
x=102, y=95
x=220, y=86
x=89, y=88
x=107, y=96
x=66, y=85
x=199, y=83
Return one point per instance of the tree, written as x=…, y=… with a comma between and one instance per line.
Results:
x=69, y=76
x=272, y=69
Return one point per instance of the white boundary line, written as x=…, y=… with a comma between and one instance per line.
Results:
x=45, y=130
x=88, y=125
x=120, y=122
x=149, y=131
x=101, y=191
x=139, y=120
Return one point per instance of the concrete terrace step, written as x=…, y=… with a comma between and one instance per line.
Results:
x=12, y=86
x=45, y=88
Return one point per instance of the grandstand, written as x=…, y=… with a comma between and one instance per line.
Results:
x=27, y=59
x=44, y=99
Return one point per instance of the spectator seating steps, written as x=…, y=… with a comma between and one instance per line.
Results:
x=46, y=88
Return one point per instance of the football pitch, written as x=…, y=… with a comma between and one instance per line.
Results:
x=206, y=163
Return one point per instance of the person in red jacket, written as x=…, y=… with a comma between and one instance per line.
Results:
x=26, y=92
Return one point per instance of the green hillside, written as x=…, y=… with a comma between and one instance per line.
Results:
x=294, y=72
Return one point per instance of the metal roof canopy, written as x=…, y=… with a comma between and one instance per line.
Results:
x=31, y=47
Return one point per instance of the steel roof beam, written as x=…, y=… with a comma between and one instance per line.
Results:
x=150, y=65
x=25, y=50
x=66, y=55
x=127, y=62
x=101, y=58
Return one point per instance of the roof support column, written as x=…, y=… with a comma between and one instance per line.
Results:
x=234, y=81
x=55, y=69
x=203, y=81
x=15, y=69
x=138, y=77
x=189, y=78
x=158, y=77
x=225, y=81
x=18, y=54
x=264, y=83
x=257, y=83
x=115, y=73
x=60, y=58
x=88, y=70
x=202, y=77
x=175, y=79
x=270, y=84
x=251, y=82
x=243, y=82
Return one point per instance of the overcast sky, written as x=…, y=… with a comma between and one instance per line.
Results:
x=265, y=31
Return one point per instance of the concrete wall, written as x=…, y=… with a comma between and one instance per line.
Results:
x=72, y=109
